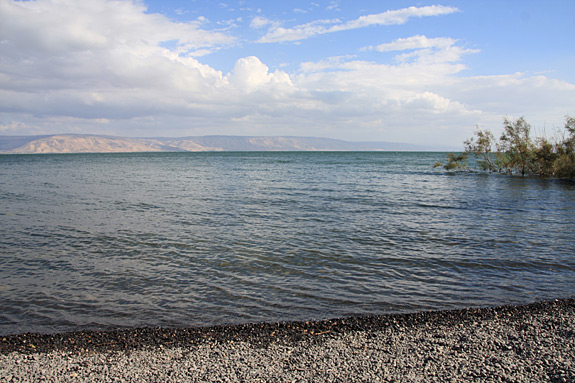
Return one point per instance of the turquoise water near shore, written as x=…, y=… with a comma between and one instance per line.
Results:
x=104, y=241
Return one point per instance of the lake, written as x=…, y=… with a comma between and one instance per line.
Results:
x=106, y=241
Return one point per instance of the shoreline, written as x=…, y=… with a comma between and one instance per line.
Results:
x=532, y=342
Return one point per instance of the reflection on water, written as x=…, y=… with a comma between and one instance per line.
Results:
x=181, y=239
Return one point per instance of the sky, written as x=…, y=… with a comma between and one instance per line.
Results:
x=419, y=72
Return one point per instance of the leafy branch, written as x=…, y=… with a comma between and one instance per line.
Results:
x=517, y=153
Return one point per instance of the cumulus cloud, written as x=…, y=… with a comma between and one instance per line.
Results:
x=424, y=90
x=387, y=95
x=396, y=17
x=52, y=26
x=103, y=57
x=251, y=74
x=99, y=66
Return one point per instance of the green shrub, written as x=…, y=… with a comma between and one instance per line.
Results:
x=517, y=153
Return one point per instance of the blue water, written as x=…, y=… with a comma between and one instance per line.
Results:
x=103, y=241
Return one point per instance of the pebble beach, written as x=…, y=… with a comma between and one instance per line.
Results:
x=527, y=343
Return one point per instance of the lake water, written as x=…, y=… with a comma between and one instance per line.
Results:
x=103, y=241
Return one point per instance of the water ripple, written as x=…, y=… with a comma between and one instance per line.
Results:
x=181, y=239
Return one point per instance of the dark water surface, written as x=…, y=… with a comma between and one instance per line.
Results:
x=104, y=241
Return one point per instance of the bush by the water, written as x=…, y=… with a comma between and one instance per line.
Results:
x=517, y=153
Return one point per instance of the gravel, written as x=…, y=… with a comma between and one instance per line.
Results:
x=529, y=343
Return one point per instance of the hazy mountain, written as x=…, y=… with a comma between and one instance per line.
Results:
x=80, y=143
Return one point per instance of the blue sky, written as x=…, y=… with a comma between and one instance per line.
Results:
x=512, y=35
x=419, y=72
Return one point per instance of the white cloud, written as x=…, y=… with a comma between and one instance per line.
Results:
x=425, y=50
x=427, y=91
x=415, y=42
x=251, y=74
x=50, y=26
x=54, y=52
x=98, y=66
x=260, y=22
x=391, y=91
x=333, y=6
x=401, y=16
x=301, y=32
x=397, y=17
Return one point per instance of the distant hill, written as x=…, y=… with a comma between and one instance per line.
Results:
x=83, y=143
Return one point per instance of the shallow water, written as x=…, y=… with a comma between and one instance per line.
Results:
x=104, y=241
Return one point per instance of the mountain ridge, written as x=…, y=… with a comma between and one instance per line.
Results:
x=92, y=143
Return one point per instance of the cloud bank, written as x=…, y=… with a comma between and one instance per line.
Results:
x=110, y=67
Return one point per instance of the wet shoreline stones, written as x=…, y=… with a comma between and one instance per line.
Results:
x=527, y=343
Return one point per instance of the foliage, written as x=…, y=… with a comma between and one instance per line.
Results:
x=454, y=162
x=517, y=153
x=480, y=146
x=544, y=158
x=564, y=166
x=515, y=148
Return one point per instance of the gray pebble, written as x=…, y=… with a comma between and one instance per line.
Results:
x=526, y=346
